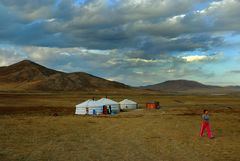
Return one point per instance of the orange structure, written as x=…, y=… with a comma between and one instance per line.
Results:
x=153, y=105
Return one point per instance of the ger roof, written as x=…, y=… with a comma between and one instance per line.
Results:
x=88, y=103
x=127, y=101
x=106, y=101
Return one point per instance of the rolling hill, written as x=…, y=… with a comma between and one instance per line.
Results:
x=188, y=86
x=27, y=75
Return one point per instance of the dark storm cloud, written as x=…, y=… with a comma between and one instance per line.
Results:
x=97, y=24
x=185, y=43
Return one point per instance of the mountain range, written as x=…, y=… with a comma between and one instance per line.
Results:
x=30, y=76
x=27, y=75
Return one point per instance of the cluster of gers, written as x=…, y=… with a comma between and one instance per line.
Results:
x=92, y=107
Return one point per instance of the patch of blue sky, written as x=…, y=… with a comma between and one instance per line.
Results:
x=202, y=5
x=57, y=2
x=80, y=2
x=112, y=2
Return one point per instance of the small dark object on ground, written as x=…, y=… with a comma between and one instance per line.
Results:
x=55, y=114
x=178, y=101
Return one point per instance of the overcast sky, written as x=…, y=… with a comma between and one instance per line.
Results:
x=137, y=42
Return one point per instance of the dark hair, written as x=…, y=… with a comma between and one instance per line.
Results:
x=204, y=111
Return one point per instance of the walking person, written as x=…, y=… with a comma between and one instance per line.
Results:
x=206, y=125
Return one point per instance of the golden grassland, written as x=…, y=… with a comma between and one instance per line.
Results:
x=29, y=131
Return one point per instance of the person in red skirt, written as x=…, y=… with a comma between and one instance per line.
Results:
x=206, y=125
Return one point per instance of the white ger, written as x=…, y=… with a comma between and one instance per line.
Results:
x=127, y=104
x=88, y=107
x=110, y=103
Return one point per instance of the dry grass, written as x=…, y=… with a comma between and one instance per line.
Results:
x=142, y=135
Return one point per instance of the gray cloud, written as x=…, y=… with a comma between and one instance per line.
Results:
x=10, y=55
x=97, y=24
x=111, y=64
x=127, y=40
x=234, y=72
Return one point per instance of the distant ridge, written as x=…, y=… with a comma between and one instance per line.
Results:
x=185, y=85
x=28, y=75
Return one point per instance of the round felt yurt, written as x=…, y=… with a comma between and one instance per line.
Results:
x=127, y=104
x=88, y=107
x=113, y=106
